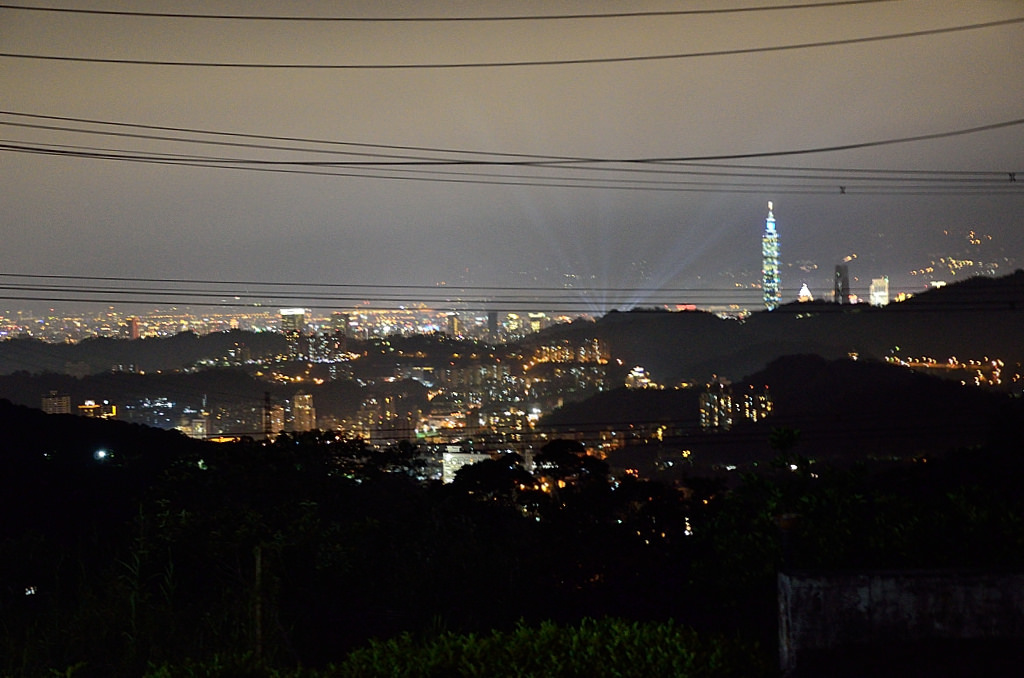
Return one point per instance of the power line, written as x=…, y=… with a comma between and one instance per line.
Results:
x=434, y=300
x=521, y=159
x=438, y=19
x=305, y=140
x=989, y=187
x=123, y=279
x=422, y=296
x=504, y=64
x=844, y=147
x=364, y=287
x=964, y=182
x=937, y=177
x=530, y=160
x=556, y=183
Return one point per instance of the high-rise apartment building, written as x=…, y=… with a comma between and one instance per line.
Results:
x=293, y=326
x=770, y=284
x=754, y=404
x=275, y=421
x=55, y=402
x=716, y=407
x=492, y=326
x=340, y=323
x=303, y=412
x=454, y=325
x=878, y=293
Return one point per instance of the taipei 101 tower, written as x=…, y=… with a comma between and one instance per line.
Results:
x=770, y=262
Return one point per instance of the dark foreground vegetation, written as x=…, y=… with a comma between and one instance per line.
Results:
x=314, y=556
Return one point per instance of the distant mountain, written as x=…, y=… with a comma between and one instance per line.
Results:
x=102, y=354
x=972, y=319
x=841, y=410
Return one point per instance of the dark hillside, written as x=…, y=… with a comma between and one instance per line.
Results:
x=101, y=354
x=972, y=319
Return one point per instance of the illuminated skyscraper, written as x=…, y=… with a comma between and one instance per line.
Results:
x=56, y=402
x=770, y=262
x=879, y=291
x=340, y=323
x=303, y=412
x=293, y=325
x=716, y=406
x=454, y=325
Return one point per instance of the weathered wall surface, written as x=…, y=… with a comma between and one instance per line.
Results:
x=825, y=611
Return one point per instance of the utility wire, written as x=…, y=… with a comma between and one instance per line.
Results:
x=304, y=140
x=128, y=284
x=570, y=300
x=504, y=64
x=615, y=297
x=965, y=182
x=533, y=160
x=452, y=180
x=936, y=177
x=990, y=183
x=443, y=19
x=988, y=188
x=524, y=159
x=200, y=281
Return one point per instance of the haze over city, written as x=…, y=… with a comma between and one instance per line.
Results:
x=514, y=129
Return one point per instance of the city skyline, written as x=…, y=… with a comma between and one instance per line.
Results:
x=86, y=197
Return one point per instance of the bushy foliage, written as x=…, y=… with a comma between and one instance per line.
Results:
x=593, y=648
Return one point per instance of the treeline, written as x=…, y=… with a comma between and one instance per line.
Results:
x=101, y=354
x=174, y=556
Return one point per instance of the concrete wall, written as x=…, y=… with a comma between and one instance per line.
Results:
x=827, y=611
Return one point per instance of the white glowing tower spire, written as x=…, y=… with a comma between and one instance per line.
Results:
x=770, y=262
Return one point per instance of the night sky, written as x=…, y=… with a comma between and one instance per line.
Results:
x=643, y=226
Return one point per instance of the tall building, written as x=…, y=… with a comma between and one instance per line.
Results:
x=340, y=323
x=538, y=321
x=275, y=421
x=303, y=412
x=878, y=293
x=55, y=402
x=492, y=326
x=770, y=262
x=454, y=325
x=755, y=405
x=841, y=284
x=716, y=406
x=293, y=325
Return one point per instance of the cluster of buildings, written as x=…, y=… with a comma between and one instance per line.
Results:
x=360, y=323
x=720, y=408
x=56, y=402
x=771, y=284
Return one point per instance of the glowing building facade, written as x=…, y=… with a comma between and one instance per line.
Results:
x=879, y=291
x=293, y=326
x=56, y=402
x=303, y=412
x=716, y=407
x=770, y=262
